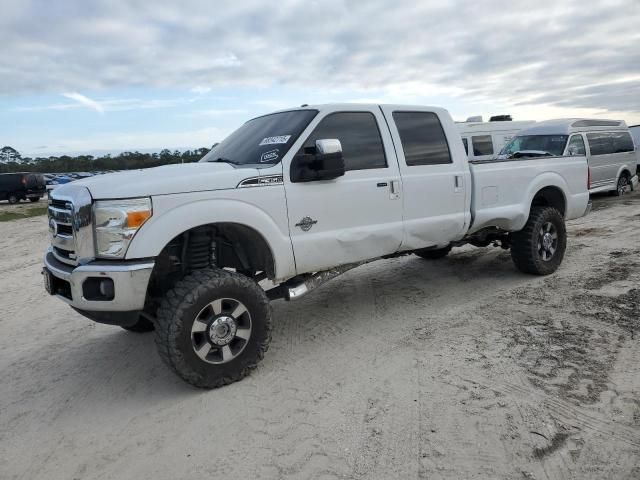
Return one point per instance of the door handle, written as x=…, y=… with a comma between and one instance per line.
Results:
x=382, y=184
x=394, y=190
x=457, y=183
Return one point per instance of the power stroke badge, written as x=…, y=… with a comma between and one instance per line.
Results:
x=306, y=223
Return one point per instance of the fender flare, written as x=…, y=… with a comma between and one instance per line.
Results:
x=540, y=182
x=622, y=169
x=158, y=231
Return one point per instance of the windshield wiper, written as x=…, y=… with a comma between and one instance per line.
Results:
x=224, y=160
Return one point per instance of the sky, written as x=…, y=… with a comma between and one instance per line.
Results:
x=96, y=76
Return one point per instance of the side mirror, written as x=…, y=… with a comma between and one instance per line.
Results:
x=322, y=162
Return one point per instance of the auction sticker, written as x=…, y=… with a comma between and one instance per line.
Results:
x=275, y=140
x=269, y=156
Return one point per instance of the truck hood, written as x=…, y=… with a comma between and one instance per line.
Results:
x=188, y=177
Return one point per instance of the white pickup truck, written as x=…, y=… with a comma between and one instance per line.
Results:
x=296, y=198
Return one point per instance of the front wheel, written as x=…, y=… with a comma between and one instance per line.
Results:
x=213, y=327
x=34, y=199
x=539, y=247
x=13, y=199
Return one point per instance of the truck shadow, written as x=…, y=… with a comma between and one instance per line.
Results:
x=125, y=367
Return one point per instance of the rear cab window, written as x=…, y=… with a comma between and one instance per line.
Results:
x=423, y=139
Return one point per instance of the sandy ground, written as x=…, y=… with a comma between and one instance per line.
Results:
x=456, y=369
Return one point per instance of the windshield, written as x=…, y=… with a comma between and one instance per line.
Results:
x=550, y=144
x=263, y=140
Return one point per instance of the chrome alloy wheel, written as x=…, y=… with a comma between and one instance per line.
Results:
x=547, y=241
x=623, y=183
x=221, y=331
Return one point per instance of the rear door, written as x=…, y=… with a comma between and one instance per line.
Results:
x=436, y=180
x=354, y=217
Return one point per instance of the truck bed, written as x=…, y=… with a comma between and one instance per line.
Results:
x=504, y=189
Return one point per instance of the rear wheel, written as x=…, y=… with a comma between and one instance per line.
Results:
x=539, y=247
x=34, y=199
x=213, y=327
x=623, y=184
x=13, y=198
x=434, y=254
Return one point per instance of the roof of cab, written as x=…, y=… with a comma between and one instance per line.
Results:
x=566, y=126
x=361, y=106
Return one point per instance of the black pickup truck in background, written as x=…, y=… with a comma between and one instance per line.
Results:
x=21, y=186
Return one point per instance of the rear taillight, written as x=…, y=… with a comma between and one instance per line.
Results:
x=588, y=178
x=24, y=180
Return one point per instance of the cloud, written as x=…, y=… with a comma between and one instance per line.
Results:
x=122, y=141
x=200, y=90
x=108, y=105
x=568, y=54
x=84, y=101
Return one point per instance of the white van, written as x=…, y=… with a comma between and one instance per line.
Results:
x=608, y=145
x=484, y=140
x=635, y=133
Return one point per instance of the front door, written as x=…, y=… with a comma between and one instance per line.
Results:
x=354, y=217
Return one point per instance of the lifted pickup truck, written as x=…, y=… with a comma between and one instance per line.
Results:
x=295, y=197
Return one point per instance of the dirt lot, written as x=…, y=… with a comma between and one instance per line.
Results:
x=456, y=369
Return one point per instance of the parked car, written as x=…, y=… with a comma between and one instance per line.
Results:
x=21, y=186
x=484, y=140
x=58, y=180
x=296, y=197
x=607, y=144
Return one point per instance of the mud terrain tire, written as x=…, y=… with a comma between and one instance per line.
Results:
x=200, y=314
x=539, y=247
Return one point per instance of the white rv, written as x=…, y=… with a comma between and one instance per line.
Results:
x=484, y=140
x=608, y=145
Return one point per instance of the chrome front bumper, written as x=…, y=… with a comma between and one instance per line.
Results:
x=130, y=281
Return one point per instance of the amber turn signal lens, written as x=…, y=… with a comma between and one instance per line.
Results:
x=136, y=219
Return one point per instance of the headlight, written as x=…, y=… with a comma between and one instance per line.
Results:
x=116, y=222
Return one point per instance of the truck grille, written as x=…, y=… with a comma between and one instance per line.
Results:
x=61, y=231
x=70, y=225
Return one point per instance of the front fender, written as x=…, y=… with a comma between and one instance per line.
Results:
x=173, y=216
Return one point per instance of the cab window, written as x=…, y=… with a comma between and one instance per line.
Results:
x=423, y=139
x=359, y=135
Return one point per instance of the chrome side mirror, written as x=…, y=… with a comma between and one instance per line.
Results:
x=328, y=146
x=325, y=163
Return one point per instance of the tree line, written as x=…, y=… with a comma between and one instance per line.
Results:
x=12, y=161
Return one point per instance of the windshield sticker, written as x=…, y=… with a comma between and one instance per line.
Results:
x=275, y=140
x=269, y=156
